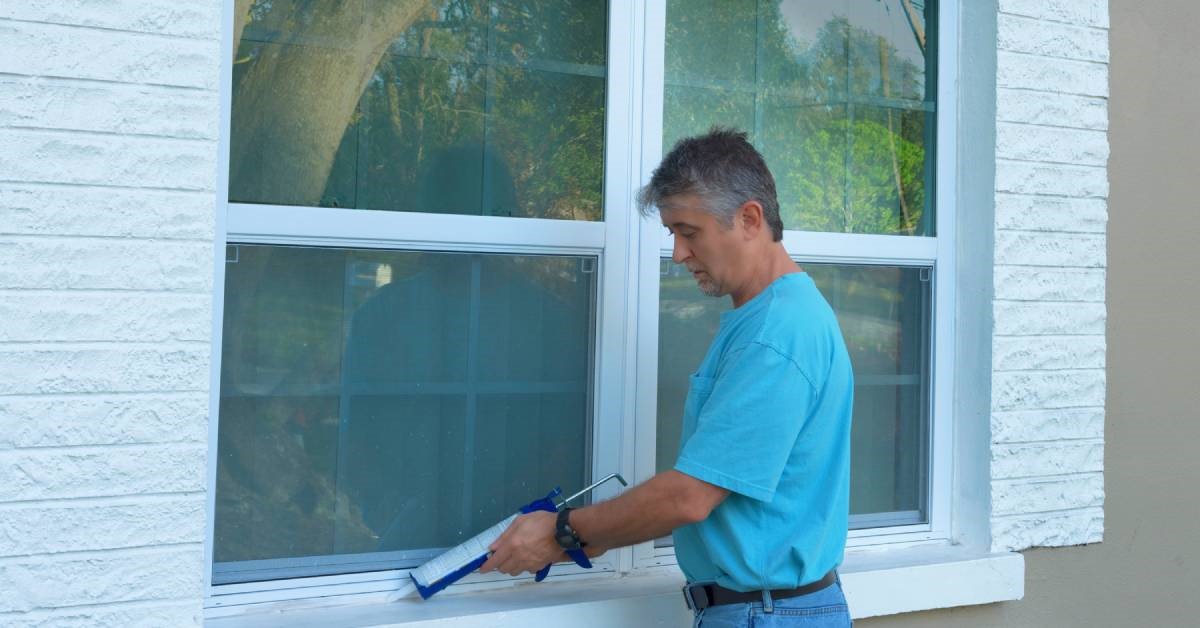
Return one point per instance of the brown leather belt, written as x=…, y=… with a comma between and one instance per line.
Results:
x=700, y=596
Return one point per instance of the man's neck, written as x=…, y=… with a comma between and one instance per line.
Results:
x=774, y=264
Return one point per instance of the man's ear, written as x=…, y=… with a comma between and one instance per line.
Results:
x=751, y=216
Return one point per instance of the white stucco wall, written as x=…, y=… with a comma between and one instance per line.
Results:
x=108, y=128
x=1048, y=351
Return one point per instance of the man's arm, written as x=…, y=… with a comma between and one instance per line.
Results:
x=647, y=511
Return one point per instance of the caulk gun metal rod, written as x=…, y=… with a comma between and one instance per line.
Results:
x=593, y=486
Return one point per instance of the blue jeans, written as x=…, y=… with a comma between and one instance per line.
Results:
x=823, y=609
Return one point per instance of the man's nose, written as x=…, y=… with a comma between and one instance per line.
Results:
x=679, y=251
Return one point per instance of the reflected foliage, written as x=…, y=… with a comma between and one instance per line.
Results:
x=484, y=107
x=840, y=109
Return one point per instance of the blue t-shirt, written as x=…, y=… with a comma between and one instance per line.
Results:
x=768, y=417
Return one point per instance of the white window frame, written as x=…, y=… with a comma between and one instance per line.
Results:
x=628, y=248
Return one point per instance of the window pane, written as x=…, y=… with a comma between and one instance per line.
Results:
x=837, y=94
x=885, y=316
x=705, y=106
x=377, y=405
x=482, y=107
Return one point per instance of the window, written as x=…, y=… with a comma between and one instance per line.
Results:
x=839, y=97
x=438, y=302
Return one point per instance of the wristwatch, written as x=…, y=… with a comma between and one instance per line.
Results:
x=566, y=536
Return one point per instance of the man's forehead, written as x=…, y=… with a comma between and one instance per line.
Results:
x=678, y=218
x=683, y=210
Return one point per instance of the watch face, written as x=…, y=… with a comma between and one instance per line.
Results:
x=566, y=540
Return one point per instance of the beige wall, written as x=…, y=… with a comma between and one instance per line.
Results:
x=1147, y=570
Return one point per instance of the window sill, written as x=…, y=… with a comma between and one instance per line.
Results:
x=877, y=583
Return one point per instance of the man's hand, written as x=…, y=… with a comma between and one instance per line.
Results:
x=647, y=511
x=527, y=545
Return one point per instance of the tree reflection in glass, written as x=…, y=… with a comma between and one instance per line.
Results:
x=353, y=104
x=838, y=96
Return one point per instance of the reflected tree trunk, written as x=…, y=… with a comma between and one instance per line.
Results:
x=906, y=223
x=915, y=22
x=293, y=105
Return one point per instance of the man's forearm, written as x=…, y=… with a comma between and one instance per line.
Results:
x=647, y=511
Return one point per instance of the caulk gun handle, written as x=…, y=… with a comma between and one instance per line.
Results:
x=547, y=504
x=576, y=555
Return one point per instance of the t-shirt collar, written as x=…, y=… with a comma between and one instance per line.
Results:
x=757, y=300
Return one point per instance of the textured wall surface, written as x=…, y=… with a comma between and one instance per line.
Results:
x=108, y=123
x=1048, y=352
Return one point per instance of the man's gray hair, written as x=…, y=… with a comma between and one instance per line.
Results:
x=723, y=169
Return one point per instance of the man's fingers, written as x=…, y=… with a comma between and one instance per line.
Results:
x=494, y=561
x=502, y=539
x=497, y=550
x=502, y=561
x=507, y=566
x=507, y=563
x=513, y=551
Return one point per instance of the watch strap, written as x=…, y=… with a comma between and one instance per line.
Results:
x=564, y=534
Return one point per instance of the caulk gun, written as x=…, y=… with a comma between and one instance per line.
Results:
x=461, y=560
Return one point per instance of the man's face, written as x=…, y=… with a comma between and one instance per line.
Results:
x=709, y=249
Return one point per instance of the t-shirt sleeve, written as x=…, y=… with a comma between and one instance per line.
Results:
x=746, y=429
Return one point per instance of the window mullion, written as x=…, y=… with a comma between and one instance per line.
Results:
x=615, y=328
x=649, y=151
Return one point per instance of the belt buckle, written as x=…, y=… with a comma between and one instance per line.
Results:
x=689, y=597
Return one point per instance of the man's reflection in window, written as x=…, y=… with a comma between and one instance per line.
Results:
x=464, y=380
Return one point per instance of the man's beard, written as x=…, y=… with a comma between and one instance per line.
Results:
x=709, y=288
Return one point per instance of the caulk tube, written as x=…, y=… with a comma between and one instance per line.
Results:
x=458, y=561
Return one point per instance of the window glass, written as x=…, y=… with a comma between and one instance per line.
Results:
x=837, y=94
x=884, y=314
x=481, y=107
x=378, y=405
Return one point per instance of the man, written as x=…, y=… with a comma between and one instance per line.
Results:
x=759, y=497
